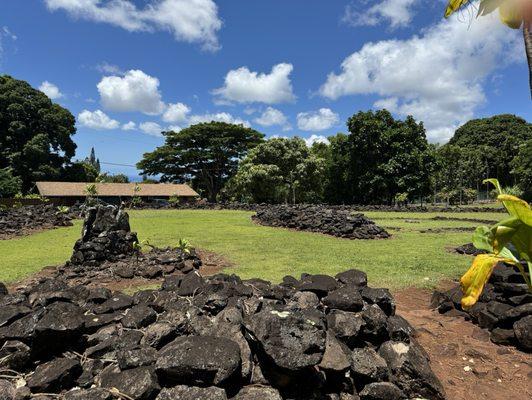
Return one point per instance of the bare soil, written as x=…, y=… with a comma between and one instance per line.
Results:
x=462, y=356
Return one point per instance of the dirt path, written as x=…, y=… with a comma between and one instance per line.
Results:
x=462, y=356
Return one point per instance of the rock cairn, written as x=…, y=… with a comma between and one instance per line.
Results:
x=20, y=220
x=504, y=308
x=106, y=252
x=106, y=235
x=217, y=338
x=321, y=219
x=154, y=264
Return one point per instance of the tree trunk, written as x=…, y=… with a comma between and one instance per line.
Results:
x=527, y=33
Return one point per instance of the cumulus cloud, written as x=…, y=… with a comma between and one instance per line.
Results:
x=97, y=120
x=437, y=77
x=245, y=86
x=176, y=112
x=396, y=13
x=51, y=90
x=135, y=91
x=193, y=21
x=151, y=128
x=218, y=117
x=316, y=139
x=272, y=116
x=129, y=126
x=319, y=120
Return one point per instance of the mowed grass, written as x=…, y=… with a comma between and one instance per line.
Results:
x=409, y=258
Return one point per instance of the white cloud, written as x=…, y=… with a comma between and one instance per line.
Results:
x=272, y=116
x=129, y=126
x=319, y=120
x=135, y=91
x=106, y=68
x=218, y=117
x=193, y=21
x=151, y=128
x=316, y=139
x=437, y=77
x=174, y=128
x=396, y=13
x=176, y=112
x=7, y=32
x=97, y=120
x=51, y=90
x=245, y=86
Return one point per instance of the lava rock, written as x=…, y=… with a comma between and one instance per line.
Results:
x=346, y=298
x=293, y=340
x=133, y=358
x=258, y=393
x=381, y=391
x=523, y=332
x=381, y=297
x=55, y=375
x=139, y=316
x=410, y=370
x=192, y=393
x=88, y=394
x=353, y=277
x=368, y=366
x=139, y=383
x=336, y=356
x=201, y=360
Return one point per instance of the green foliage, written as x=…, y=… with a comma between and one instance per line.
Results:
x=9, y=185
x=79, y=171
x=184, y=245
x=32, y=196
x=63, y=209
x=206, y=154
x=35, y=134
x=174, y=200
x=486, y=147
x=380, y=158
x=522, y=169
x=136, y=200
x=109, y=178
x=279, y=170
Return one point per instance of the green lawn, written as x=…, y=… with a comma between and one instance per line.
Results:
x=408, y=258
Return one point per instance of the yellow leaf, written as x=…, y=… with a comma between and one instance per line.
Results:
x=453, y=6
x=517, y=208
x=477, y=276
x=510, y=14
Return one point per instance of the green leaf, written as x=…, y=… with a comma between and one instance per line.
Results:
x=482, y=238
x=494, y=182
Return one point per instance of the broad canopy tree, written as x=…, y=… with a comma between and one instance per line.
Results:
x=279, y=170
x=35, y=133
x=205, y=154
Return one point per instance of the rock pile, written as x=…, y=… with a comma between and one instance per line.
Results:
x=106, y=235
x=321, y=219
x=469, y=249
x=504, y=308
x=157, y=263
x=21, y=220
x=214, y=338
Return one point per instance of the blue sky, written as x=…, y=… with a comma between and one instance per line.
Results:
x=129, y=69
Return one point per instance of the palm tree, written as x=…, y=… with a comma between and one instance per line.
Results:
x=516, y=14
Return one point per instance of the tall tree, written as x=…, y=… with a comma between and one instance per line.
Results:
x=9, y=185
x=522, y=169
x=279, y=170
x=384, y=157
x=493, y=143
x=205, y=154
x=35, y=134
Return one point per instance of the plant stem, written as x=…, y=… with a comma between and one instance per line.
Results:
x=527, y=34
